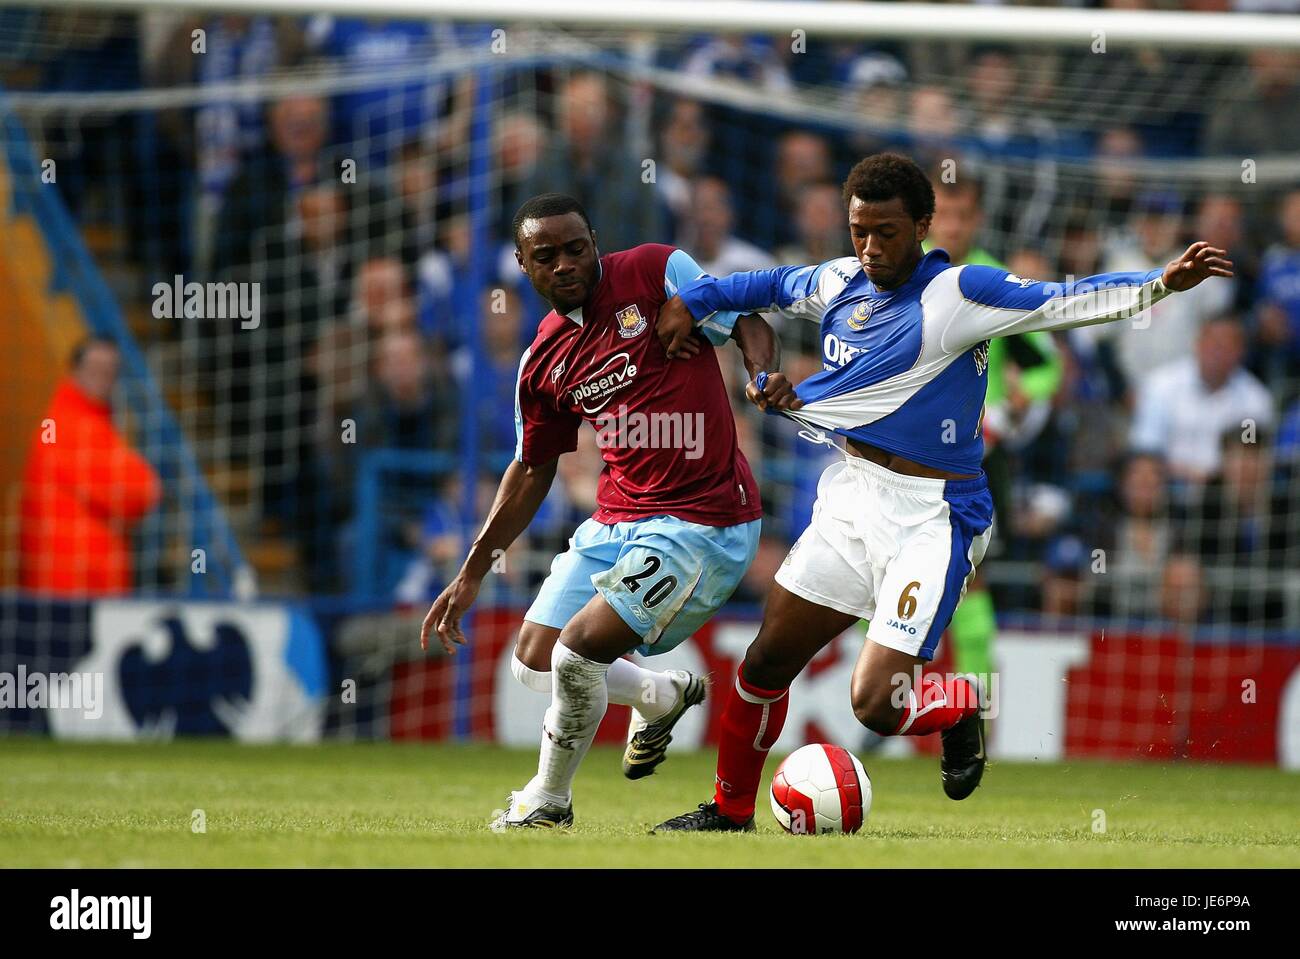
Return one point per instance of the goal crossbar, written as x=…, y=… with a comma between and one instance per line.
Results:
x=914, y=21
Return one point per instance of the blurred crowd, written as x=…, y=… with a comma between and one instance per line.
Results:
x=376, y=220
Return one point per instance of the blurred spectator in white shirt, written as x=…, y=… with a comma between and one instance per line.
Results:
x=1167, y=331
x=1186, y=406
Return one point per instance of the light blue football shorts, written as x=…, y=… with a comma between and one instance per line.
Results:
x=664, y=576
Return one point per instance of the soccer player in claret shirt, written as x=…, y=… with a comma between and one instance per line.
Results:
x=677, y=518
x=901, y=523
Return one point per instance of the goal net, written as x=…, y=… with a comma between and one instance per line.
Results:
x=256, y=267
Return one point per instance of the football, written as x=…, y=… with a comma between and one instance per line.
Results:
x=821, y=788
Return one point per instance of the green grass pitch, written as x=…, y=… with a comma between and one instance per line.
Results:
x=380, y=804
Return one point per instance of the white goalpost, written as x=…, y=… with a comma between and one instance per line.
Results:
x=908, y=21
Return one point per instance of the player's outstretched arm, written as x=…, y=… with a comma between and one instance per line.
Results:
x=520, y=495
x=987, y=302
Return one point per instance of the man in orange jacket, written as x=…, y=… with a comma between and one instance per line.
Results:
x=83, y=486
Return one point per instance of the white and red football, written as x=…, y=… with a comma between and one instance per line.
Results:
x=821, y=788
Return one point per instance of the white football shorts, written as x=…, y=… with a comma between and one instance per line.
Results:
x=896, y=550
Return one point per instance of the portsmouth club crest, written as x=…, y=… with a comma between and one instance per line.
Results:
x=630, y=321
x=861, y=314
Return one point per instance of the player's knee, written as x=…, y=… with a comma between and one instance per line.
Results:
x=766, y=668
x=533, y=648
x=598, y=633
x=579, y=636
x=875, y=709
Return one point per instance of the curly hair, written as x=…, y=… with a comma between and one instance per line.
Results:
x=884, y=176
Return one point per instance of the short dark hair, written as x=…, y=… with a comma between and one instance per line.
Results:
x=544, y=205
x=85, y=343
x=884, y=176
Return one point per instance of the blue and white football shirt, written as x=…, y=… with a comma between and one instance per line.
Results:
x=904, y=369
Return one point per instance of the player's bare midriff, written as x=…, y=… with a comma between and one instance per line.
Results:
x=898, y=464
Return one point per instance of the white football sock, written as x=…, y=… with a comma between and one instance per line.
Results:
x=579, y=699
x=649, y=692
x=532, y=678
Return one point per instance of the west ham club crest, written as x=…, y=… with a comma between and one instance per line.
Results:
x=630, y=321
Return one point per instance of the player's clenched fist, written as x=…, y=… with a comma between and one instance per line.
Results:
x=445, y=613
x=1200, y=262
x=676, y=329
x=773, y=389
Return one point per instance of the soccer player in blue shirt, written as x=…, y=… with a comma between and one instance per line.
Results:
x=901, y=523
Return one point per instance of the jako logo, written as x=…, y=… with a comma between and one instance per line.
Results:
x=102, y=912
x=604, y=383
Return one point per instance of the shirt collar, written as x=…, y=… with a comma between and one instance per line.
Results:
x=576, y=313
